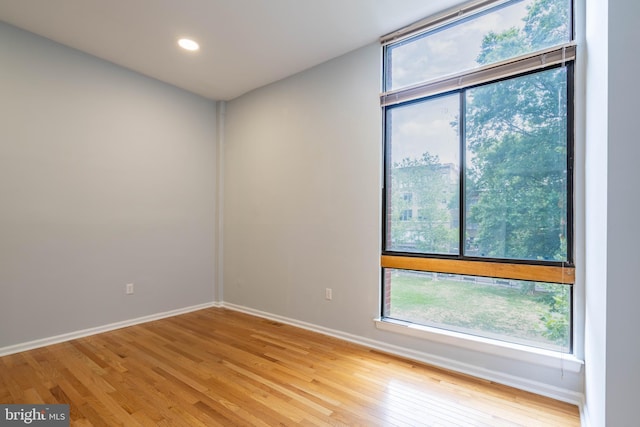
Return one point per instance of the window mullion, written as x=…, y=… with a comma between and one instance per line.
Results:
x=461, y=196
x=570, y=161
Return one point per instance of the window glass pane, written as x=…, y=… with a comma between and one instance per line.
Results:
x=516, y=175
x=528, y=313
x=518, y=28
x=423, y=176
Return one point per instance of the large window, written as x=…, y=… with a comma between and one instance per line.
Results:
x=478, y=217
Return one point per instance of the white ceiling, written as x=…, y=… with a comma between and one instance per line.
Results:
x=245, y=44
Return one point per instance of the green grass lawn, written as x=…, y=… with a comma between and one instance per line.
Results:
x=510, y=314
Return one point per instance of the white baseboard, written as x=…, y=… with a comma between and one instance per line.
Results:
x=17, y=348
x=585, y=418
x=526, y=384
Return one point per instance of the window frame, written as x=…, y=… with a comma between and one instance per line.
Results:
x=566, y=268
x=549, y=271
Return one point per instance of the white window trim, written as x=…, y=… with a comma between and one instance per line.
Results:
x=537, y=356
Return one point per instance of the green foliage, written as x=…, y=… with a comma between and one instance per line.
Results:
x=497, y=47
x=516, y=137
x=556, y=317
x=516, y=141
x=546, y=24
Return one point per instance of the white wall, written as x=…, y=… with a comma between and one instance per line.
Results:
x=595, y=52
x=612, y=343
x=106, y=178
x=302, y=212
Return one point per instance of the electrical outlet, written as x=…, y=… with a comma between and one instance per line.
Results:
x=328, y=294
x=129, y=289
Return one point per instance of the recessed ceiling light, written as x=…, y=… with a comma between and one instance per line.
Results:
x=188, y=44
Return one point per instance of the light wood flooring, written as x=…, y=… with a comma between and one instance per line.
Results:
x=218, y=367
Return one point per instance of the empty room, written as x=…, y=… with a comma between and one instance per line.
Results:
x=321, y=212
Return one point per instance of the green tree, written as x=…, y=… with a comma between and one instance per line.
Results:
x=546, y=24
x=556, y=318
x=517, y=146
x=516, y=136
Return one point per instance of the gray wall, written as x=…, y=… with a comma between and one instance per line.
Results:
x=106, y=178
x=301, y=196
x=623, y=205
x=302, y=210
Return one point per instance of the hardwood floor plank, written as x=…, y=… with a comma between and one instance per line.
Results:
x=217, y=367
